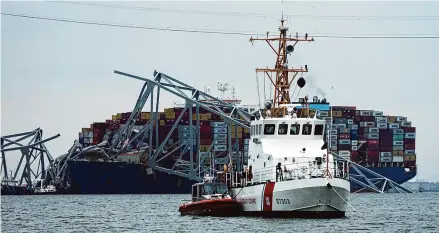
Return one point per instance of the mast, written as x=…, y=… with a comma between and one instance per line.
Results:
x=283, y=79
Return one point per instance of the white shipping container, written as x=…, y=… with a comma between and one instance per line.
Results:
x=378, y=113
x=382, y=125
x=386, y=154
x=81, y=135
x=401, y=118
x=398, y=143
x=341, y=126
x=381, y=120
x=333, y=148
x=386, y=159
x=354, y=127
x=393, y=126
x=343, y=153
x=334, y=132
x=329, y=119
x=398, y=159
x=366, y=113
x=374, y=130
x=86, y=140
x=407, y=124
x=410, y=135
x=90, y=135
x=129, y=158
x=354, y=148
x=350, y=121
x=334, y=137
x=334, y=127
x=409, y=152
x=354, y=142
x=398, y=147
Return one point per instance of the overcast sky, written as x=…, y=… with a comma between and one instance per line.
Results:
x=59, y=76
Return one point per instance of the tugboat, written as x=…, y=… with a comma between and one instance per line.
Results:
x=210, y=199
x=290, y=172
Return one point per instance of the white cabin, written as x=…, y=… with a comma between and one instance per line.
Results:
x=293, y=142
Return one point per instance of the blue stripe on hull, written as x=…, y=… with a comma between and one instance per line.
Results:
x=396, y=174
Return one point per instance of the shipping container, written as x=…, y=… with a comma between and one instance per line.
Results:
x=354, y=148
x=344, y=147
x=373, y=136
x=398, y=147
x=410, y=146
x=343, y=136
x=409, y=141
x=220, y=131
x=398, y=143
x=398, y=159
x=398, y=137
x=398, y=131
x=354, y=142
x=409, y=152
x=410, y=135
x=373, y=156
x=378, y=113
x=354, y=127
x=398, y=153
x=220, y=148
x=406, y=124
x=386, y=154
x=382, y=125
x=374, y=130
x=401, y=118
x=409, y=129
x=366, y=112
x=354, y=156
x=218, y=124
x=386, y=159
x=391, y=119
x=344, y=142
x=393, y=125
x=410, y=158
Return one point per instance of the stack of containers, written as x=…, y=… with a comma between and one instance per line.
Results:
x=246, y=145
x=99, y=130
x=219, y=131
x=87, y=137
x=409, y=147
x=184, y=137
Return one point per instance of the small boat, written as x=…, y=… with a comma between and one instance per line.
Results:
x=210, y=199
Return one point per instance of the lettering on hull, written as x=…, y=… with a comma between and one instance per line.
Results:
x=283, y=201
x=247, y=200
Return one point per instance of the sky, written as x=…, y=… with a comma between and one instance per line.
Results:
x=59, y=76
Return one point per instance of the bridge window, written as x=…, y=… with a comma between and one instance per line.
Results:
x=269, y=129
x=252, y=130
x=260, y=129
x=295, y=129
x=283, y=129
x=318, y=130
x=307, y=129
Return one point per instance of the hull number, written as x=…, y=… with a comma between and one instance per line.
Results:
x=246, y=200
x=283, y=201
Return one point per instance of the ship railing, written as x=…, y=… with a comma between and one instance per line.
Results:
x=185, y=201
x=301, y=170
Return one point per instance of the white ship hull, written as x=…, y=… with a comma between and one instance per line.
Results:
x=306, y=198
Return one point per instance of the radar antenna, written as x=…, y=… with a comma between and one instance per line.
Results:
x=282, y=82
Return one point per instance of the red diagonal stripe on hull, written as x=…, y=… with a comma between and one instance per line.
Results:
x=268, y=196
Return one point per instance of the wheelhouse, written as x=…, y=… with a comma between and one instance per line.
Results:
x=201, y=189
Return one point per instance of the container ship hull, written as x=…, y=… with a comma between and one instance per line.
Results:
x=87, y=177
x=122, y=178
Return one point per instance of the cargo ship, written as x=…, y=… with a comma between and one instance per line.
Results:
x=382, y=143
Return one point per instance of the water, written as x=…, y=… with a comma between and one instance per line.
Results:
x=418, y=212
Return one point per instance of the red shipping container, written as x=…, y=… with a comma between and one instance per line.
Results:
x=409, y=141
x=386, y=142
x=354, y=156
x=344, y=136
x=373, y=142
x=409, y=129
x=205, y=141
x=409, y=163
x=362, y=130
x=344, y=147
x=205, y=135
x=386, y=148
x=205, y=129
x=409, y=146
x=373, y=156
x=374, y=147
x=362, y=137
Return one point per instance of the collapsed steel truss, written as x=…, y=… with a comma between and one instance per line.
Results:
x=370, y=180
x=35, y=150
x=193, y=169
